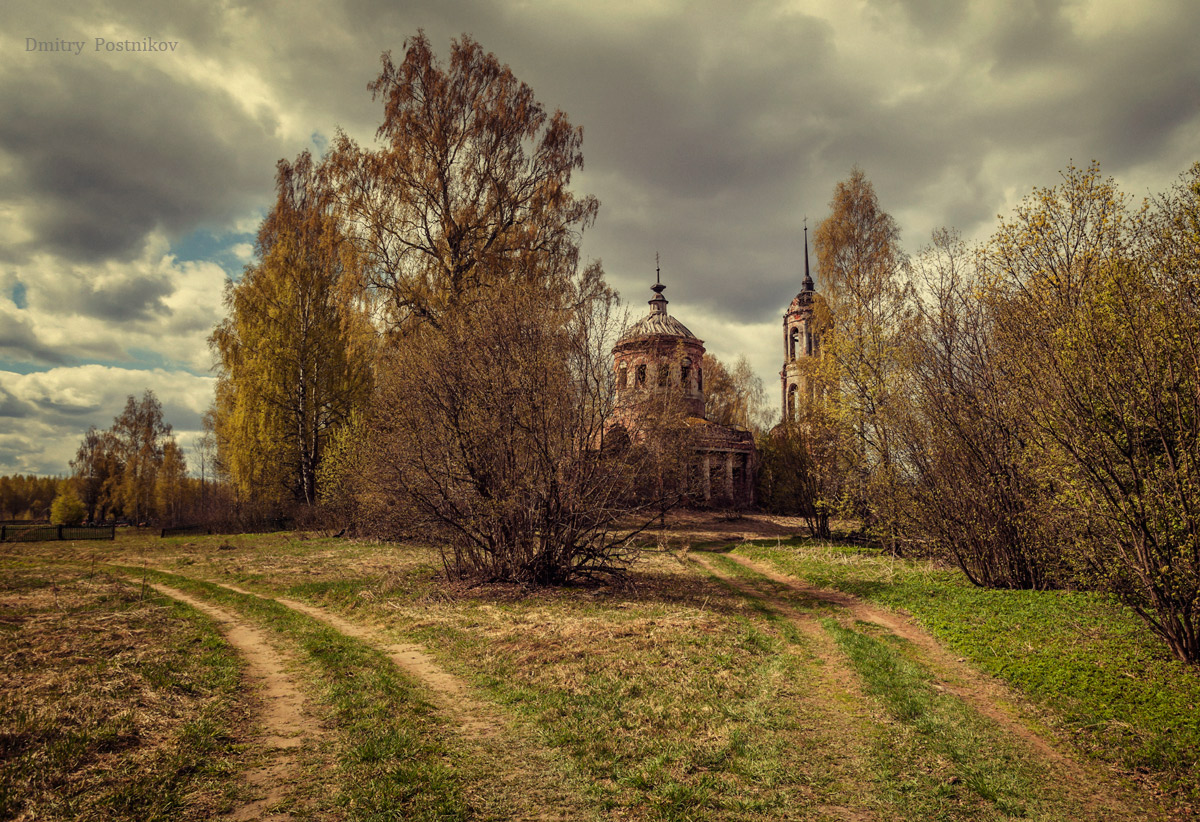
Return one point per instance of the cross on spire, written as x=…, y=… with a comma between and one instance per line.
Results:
x=808, y=280
x=658, y=302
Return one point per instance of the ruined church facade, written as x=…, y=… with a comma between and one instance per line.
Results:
x=659, y=358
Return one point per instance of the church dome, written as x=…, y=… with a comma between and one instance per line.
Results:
x=658, y=356
x=658, y=322
x=802, y=300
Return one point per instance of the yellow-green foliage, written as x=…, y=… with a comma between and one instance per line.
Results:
x=863, y=312
x=1100, y=325
x=67, y=509
x=296, y=351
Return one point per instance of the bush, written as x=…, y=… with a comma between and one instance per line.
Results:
x=67, y=509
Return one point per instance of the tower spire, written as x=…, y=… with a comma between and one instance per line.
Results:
x=808, y=280
x=658, y=302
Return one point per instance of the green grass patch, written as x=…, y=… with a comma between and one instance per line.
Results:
x=1107, y=680
x=393, y=764
x=933, y=757
x=977, y=777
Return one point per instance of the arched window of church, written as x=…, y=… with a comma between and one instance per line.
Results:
x=641, y=376
x=699, y=379
x=791, y=402
x=622, y=376
x=794, y=338
x=808, y=336
x=685, y=373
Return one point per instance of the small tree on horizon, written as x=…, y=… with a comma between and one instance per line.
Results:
x=67, y=509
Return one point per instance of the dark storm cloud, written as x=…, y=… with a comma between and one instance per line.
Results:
x=137, y=298
x=13, y=407
x=101, y=156
x=702, y=128
x=1033, y=33
x=19, y=342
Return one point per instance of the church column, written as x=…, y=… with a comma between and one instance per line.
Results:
x=729, y=476
x=705, y=482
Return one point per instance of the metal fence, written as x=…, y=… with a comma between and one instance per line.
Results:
x=42, y=533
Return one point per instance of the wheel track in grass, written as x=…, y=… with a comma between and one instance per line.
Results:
x=450, y=693
x=282, y=715
x=984, y=694
x=833, y=670
x=478, y=724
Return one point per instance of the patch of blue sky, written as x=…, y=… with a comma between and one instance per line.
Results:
x=23, y=366
x=139, y=359
x=223, y=249
x=17, y=295
x=144, y=358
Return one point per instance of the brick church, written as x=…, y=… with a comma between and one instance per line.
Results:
x=659, y=358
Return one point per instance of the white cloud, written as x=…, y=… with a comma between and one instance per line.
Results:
x=117, y=311
x=51, y=410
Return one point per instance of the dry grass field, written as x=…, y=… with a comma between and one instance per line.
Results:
x=296, y=676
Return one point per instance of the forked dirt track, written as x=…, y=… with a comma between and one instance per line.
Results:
x=282, y=716
x=507, y=754
x=447, y=691
x=984, y=694
x=481, y=728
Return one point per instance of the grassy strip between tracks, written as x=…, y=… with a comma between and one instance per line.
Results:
x=393, y=765
x=1104, y=678
x=942, y=759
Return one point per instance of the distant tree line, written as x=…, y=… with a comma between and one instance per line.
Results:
x=27, y=497
x=1028, y=409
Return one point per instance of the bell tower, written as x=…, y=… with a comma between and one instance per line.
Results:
x=800, y=345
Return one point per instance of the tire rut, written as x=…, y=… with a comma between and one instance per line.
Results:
x=450, y=694
x=984, y=694
x=282, y=715
x=521, y=770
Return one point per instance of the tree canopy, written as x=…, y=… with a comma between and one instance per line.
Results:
x=116, y=472
x=296, y=352
x=469, y=187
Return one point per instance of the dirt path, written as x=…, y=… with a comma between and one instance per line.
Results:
x=449, y=693
x=285, y=727
x=989, y=697
x=517, y=778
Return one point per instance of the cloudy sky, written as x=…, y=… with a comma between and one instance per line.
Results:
x=131, y=183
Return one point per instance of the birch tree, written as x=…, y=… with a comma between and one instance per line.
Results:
x=295, y=354
x=865, y=313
